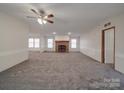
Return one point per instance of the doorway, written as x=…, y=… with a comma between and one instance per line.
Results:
x=108, y=46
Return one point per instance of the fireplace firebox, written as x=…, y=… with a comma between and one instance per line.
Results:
x=62, y=46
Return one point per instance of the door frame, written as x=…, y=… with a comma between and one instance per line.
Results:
x=103, y=45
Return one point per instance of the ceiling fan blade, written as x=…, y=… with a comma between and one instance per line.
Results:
x=30, y=17
x=34, y=11
x=50, y=15
x=49, y=21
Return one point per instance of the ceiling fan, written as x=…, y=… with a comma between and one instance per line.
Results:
x=42, y=18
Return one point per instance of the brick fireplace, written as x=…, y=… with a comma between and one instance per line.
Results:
x=62, y=46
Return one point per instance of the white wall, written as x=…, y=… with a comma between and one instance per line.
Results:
x=90, y=42
x=13, y=41
x=60, y=38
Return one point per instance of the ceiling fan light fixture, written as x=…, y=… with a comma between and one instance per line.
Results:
x=41, y=17
x=39, y=21
x=45, y=17
x=44, y=21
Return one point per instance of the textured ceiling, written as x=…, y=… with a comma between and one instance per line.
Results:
x=75, y=18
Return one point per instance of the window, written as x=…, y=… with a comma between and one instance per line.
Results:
x=34, y=43
x=50, y=43
x=73, y=43
x=31, y=41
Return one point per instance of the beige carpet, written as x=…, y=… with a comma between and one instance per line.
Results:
x=61, y=71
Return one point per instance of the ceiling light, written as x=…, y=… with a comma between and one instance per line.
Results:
x=39, y=21
x=54, y=33
x=69, y=33
x=45, y=17
x=44, y=21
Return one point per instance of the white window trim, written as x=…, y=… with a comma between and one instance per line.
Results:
x=36, y=42
x=33, y=42
x=75, y=43
x=52, y=43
